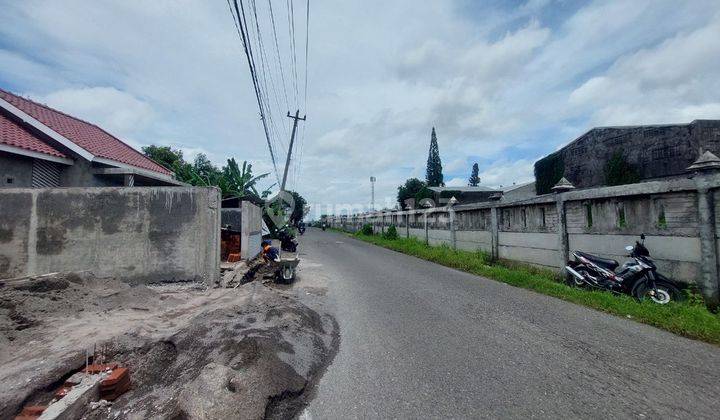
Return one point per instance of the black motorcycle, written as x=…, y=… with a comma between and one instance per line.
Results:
x=638, y=277
x=301, y=228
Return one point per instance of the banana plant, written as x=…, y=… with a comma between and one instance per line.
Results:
x=237, y=182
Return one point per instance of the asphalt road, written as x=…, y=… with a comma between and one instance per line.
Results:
x=419, y=340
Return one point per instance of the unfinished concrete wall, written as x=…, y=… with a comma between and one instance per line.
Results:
x=137, y=235
x=251, y=237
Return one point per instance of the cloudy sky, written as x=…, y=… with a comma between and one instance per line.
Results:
x=503, y=82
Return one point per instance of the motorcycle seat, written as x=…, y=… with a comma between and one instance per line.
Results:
x=604, y=262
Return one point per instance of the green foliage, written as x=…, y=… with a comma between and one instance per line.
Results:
x=688, y=318
x=407, y=191
x=423, y=194
x=474, y=180
x=548, y=172
x=662, y=220
x=450, y=193
x=391, y=233
x=232, y=180
x=298, y=212
x=618, y=171
x=367, y=229
x=164, y=155
x=434, y=175
x=239, y=182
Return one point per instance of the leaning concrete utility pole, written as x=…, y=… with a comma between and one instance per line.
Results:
x=292, y=140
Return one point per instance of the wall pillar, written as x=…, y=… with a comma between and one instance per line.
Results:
x=563, y=241
x=453, y=239
x=494, y=233
x=706, y=171
x=427, y=238
x=407, y=225
x=560, y=189
x=708, y=281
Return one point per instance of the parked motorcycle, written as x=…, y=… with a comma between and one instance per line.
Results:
x=637, y=277
x=301, y=228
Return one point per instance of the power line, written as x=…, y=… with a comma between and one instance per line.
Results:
x=291, y=32
x=277, y=50
x=241, y=26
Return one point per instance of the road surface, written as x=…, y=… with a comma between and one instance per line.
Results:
x=419, y=340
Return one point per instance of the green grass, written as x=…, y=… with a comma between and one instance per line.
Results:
x=689, y=318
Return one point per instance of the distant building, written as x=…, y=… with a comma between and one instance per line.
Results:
x=652, y=151
x=43, y=147
x=464, y=195
x=518, y=192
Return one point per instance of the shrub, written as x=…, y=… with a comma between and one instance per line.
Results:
x=367, y=229
x=391, y=233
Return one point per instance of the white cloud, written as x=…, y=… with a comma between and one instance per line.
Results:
x=120, y=113
x=504, y=85
x=675, y=81
x=505, y=173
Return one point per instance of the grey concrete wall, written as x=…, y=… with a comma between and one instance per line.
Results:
x=654, y=151
x=600, y=220
x=251, y=237
x=137, y=235
x=19, y=168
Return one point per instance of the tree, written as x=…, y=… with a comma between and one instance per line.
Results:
x=474, y=176
x=423, y=194
x=411, y=187
x=434, y=175
x=164, y=155
x=232, y=180
x=237, y=182
x=299, y=211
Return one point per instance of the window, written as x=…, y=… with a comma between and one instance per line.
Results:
x=662, y=222
x=9, y=180
x=622, y=222
x=588, y=215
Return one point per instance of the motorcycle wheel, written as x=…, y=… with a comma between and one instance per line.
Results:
x=663, y=294
x=576, y=282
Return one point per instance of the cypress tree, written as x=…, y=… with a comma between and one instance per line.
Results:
x=474, y=176
x=434, y=176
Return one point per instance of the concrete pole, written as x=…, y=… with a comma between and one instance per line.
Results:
x=407, y=224
x=427, y=238
x=708, y=282
x=563, y=241
x=706, y=171
x=453, y=239
x=494, y=233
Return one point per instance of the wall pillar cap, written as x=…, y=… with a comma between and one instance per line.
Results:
x=563, y=185
x=708, y=161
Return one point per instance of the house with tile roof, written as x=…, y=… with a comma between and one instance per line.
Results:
x=43, y=147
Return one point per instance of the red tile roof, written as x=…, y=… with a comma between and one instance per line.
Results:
x=88, y=136
x=13, y=134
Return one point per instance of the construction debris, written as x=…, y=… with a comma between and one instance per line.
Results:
x=191, y=351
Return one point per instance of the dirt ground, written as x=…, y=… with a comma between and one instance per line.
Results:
x=254, y=351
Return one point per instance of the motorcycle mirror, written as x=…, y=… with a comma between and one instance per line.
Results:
x=629, y=248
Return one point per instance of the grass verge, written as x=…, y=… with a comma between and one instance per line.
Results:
x=690, y=318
